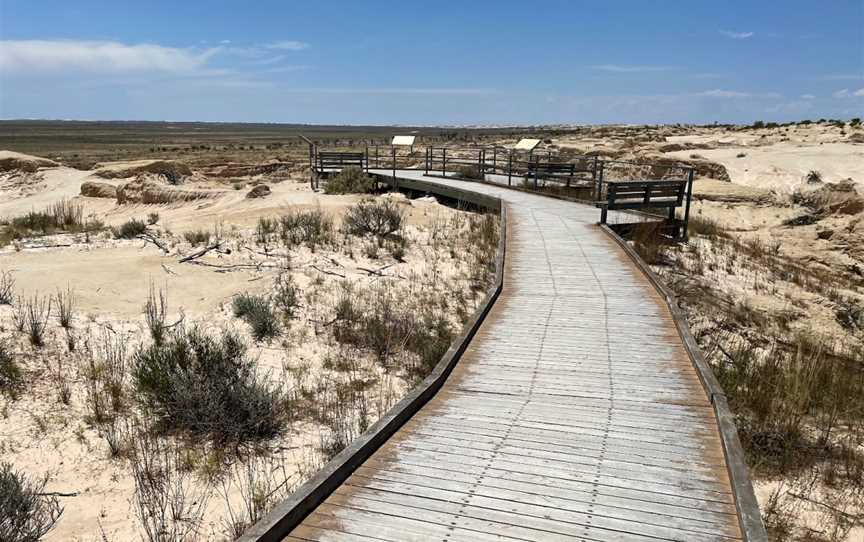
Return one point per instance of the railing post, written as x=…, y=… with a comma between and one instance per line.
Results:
x=426, y=169
x=377, y=163
x=444, y=162
x=510, y=168
x=394, y=162
x=689, y=197
x=494, y=159
x=602, y=166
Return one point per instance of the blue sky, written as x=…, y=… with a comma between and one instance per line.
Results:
x=469, y=62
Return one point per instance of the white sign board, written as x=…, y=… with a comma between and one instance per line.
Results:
x=406, y=141
x=526, y=144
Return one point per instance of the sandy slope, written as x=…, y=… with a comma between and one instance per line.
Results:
x=783, y=166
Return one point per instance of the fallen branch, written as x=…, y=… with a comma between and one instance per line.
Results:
x=315, y=267
x=149, y=238
x=58, y=245
x=237, y=266
x=376, y=271
x=58, y=494
x=168, y=269
x=203, y=251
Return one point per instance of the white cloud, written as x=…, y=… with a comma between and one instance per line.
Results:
x=288, y=45
x=617, y=68
x=807, y=97
x=731, y=94
x=737, y=35
x=846, y=93
x=34, y=56
x=720, y=93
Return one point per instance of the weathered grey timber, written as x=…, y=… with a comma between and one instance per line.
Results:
x=578, y=411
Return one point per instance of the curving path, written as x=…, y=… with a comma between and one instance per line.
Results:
x=574, y=414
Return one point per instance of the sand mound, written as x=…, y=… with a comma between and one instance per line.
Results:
x=123, y=170
x=145, y=189
x=246, y=170
x=11, y=161
x=96, y=189
x=259, y=191
x=831, y=199
x=703, y=166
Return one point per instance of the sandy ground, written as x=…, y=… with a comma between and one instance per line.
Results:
x=111, y=279
x=783, y=166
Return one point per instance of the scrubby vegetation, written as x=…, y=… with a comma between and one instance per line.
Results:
x=257, y=311
x=10, y=373
x=27, y=513
x=379, y=218
x=309, y=227
x=130, y=229
x=351, y=180
x=206, y=386
x=64, y=216
x=796, y=388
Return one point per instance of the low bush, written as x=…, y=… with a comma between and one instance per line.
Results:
x=470, y=172
x=155, y=311
x=377, y=218
x=65, y=302
x=258, y=313
x=152, y=218
x=207, y=387
x=10, y=374
x=36, y=313
x=351, y=180
x=197, y=237
x=312, y=227
x=286, y=296
x=130, y=229
x=7, y=288
x=26, y=512
x=63, y=216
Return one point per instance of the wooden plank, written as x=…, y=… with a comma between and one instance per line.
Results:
x=575, y=413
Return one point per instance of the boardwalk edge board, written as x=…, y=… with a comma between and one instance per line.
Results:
x=285, y=516
x=746, y=504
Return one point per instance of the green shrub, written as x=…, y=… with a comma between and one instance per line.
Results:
x=207, y=387
x=312, y=227
x=62, y=216
x=197, y=237
x=286, y=296
x=130, y=229
x=351, y=180
x=258, y=313
x=26, y=512
x=371, y=217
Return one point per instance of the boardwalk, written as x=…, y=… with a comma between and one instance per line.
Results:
x=575, y=414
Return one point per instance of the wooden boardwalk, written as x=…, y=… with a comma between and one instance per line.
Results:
x=574, y=414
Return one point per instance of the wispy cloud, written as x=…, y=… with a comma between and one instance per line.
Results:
x=846, y=93
x=395, y=90
x=52, y=56
x=617, y=68
x=720, y=93
x=729, y=94
x=737, y=35
x=807, y=97
x=288, y=45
